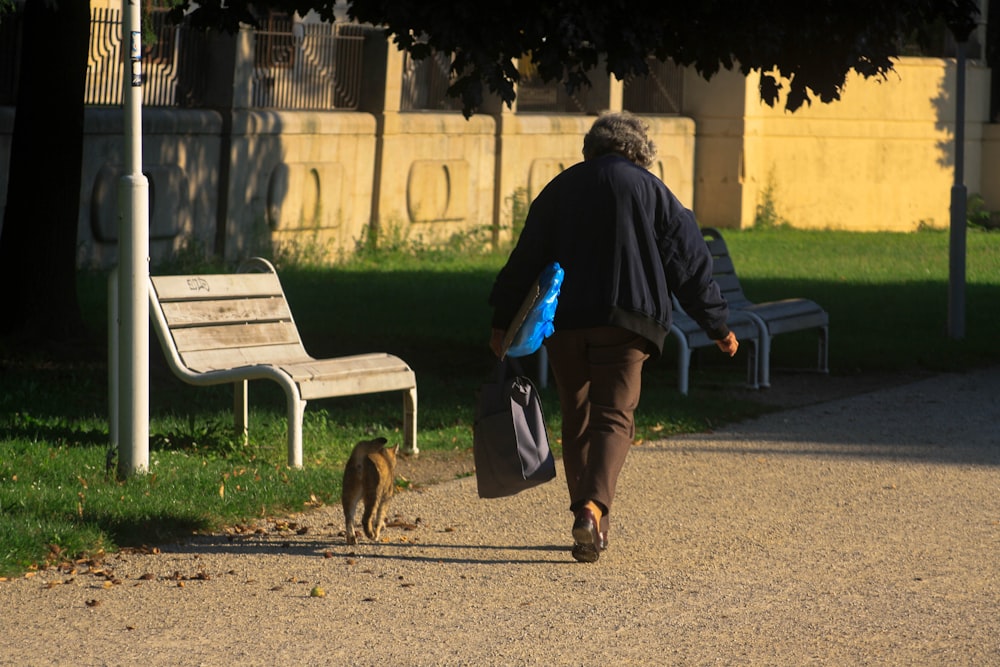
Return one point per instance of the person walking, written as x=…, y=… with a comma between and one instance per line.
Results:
x=626, y=245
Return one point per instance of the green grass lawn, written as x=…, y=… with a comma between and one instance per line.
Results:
x=887, y=295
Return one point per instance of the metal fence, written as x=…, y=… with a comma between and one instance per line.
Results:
x=535, y=95
x=173, y=62
x=300, y=66
x=659, y=92
x=307, y=66
x=425, y=84
x=296, y=65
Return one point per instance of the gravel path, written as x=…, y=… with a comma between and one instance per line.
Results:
x=859, y=531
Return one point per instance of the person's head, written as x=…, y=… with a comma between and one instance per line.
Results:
x=620, y=133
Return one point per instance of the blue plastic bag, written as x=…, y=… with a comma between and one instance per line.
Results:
x=533, y=323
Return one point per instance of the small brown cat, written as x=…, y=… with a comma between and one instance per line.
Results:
x=370, y=475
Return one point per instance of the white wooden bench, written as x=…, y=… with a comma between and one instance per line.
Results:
x=221, y=328
x=773, y=317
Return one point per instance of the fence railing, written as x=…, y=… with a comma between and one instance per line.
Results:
x=425, y=84
x=659, y=92
x=172, y=61
x=535, y=95
x=300, y=66
x=296, y=66
x=308, y=66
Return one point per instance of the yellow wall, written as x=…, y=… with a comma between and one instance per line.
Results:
x=297, y=178
x=881, y=158
x=436, y=177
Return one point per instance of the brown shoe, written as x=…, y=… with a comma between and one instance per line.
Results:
x=586, y=536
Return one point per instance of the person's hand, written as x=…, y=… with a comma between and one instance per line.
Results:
x=496, y=341
x=729, y=344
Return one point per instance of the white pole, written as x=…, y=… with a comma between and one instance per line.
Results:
x=133, y=272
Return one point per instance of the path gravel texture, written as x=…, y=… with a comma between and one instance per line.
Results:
x=860, y=531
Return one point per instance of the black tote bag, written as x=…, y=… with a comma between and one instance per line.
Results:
x=509, y=442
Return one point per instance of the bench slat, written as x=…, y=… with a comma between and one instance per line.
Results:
x=211, y=286
x=225, y=336
x=723, y=265
x=339, y=367
x=206, y=361
x=358, y=384
x=221, y=311
x=357, y=374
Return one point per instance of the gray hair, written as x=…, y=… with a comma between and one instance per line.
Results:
x=621, y=133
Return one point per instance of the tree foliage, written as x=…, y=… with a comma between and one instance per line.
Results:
x=804, y=50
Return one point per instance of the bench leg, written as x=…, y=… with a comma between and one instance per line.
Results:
x=765, y=359
x=543, y=367
x=410, y=421
x=683, y=362
x=824, y=350
x=240, y=412
x=753, y=364
x=296, y=410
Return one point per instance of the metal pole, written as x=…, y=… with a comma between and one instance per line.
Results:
x=133, y=272
x=959, y=199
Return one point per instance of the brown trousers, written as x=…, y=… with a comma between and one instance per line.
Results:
x=598, y=372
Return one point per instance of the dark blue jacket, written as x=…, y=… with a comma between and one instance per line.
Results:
x=625, y=243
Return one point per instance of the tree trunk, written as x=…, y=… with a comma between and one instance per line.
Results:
x=39, y=233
